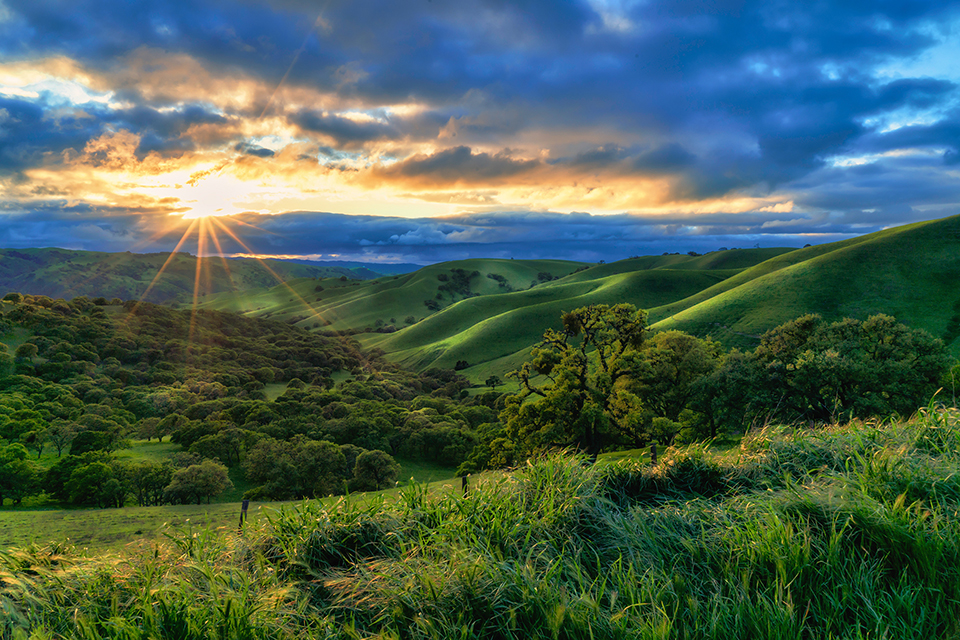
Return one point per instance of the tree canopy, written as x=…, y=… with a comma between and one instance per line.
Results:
x=577, y=374
x=602, y=382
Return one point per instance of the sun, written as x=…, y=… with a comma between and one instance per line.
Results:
x=204, y=236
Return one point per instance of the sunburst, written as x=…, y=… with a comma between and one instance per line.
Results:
x=209, y=231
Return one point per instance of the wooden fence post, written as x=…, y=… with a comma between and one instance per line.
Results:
x=243, y=512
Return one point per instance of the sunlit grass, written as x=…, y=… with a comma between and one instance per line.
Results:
x=101, y=530
x=846, y=532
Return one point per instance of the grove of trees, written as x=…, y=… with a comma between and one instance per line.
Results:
x=92, y=375
x=88, y=376
x=603, y=381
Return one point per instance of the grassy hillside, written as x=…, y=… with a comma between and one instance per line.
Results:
x=59, y=273
x=487, y=328
x=733, y=296
x=389, y=301
x=504, y=309
x=909, y=272
x=842, y=532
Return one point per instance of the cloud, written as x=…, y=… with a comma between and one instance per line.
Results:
x=249, y=149
x=655, y=110
x=345, y=132
x=454, y=167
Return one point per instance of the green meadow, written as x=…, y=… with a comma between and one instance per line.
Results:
x=43, y=521
x=848, y=531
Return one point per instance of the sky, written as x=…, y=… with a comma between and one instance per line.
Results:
x=428, y=130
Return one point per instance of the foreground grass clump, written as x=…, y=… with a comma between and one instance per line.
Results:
x=848, y=532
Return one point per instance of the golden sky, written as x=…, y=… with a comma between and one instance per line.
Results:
x=414, y=131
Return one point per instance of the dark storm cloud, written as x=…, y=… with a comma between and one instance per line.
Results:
x=734, y=96
x=28, y=136
x=945, y=133
x=527, y=235
x=885, y=191
x=524, y=234
x=345, y=132
x=457, y=164
x=253, y=36
x=163, y=131
x=253, y=150
x=57, y=223
x=670, y=158
x=168, y=123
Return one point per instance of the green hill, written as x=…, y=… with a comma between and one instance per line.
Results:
x=488, y=312
x=484, y=312
x=60, y=273
x=910, y=272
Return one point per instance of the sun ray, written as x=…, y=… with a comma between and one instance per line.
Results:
x=208, y=266
x=313, y=312
x=223, y=259
x=253, y=226
x=170, y=258
x=201, y=249
x=262, y=263
x=152, y=238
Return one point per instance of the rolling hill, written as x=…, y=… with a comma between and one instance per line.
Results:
x=391, y=303
x=61, y=273
x=484, y=312
x=909, y=272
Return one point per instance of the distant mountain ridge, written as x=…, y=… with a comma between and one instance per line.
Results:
x=374, y=268
x=64, y=273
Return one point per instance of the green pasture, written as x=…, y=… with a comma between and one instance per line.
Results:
x=109, y=530
x=139, y=450
x=486, y=328
x=101, y=530
x=908, y=272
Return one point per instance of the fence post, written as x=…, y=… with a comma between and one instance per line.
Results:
x=653, y=453
x=243, y=512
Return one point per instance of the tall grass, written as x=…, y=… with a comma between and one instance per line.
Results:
x=845, y=532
